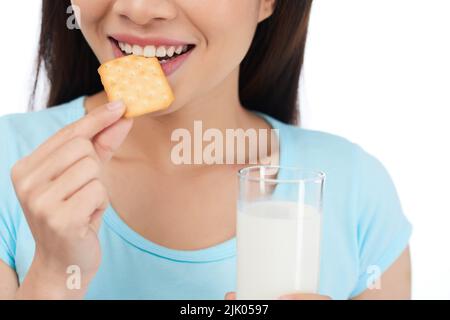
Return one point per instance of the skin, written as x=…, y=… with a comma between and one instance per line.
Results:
x=105, y=159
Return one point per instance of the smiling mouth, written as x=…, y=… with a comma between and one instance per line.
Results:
x=164, y=53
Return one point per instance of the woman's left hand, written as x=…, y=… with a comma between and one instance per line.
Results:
x=292, y=296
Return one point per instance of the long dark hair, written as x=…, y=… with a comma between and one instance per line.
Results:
x=269, y=75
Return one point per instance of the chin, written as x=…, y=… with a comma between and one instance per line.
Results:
x=172, y=109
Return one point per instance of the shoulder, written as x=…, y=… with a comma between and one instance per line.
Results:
x=336, y=154
x=316, y=149
x=352, y=173
x=317, y=140
x=21, y=133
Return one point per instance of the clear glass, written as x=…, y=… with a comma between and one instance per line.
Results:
x=279, y=222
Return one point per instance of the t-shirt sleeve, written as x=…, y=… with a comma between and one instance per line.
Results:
x=7, y=220
x=383, y=231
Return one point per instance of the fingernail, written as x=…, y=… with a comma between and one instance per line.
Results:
x=114, y=106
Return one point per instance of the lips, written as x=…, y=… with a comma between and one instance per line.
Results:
x=170, y=53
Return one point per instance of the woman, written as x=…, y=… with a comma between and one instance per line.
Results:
x=86, y=192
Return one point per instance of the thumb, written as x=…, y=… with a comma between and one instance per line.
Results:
x=230, y=296
x=108, y=141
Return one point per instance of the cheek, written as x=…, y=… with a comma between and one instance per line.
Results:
x=91, y=16
x=91, y=11
x=228, y=23
x=227, y=27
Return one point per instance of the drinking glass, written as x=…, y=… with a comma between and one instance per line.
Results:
x=279, y=222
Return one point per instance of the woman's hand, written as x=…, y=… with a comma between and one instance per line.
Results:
x=59, y=189
x=292, y=296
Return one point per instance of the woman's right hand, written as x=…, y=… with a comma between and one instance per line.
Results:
x=63, y=199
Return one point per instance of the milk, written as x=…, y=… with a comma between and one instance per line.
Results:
x=278, y=247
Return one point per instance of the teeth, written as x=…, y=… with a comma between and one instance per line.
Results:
x=152, y=51
x=128, y=49
x=161, y=52
x=170, y=52
x=138, y=51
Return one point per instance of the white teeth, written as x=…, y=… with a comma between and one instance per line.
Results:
x=161, y=52
x=138, y=51
x=170, y=52
x=150, y=51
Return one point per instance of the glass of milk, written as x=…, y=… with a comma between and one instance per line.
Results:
x=279, y=218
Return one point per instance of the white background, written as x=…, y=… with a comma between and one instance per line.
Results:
x=376, y=72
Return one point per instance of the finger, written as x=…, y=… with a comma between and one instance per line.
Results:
x=87, y=127
x=59, y=161
x=108, y=141
x=303, y=296
x=96, y=219
x=74, y=178
x=89, y=200
x=230, y=296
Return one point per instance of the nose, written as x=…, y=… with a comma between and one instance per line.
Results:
x=143, y=12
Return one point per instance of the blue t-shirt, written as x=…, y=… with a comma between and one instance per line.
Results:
x=363, y=222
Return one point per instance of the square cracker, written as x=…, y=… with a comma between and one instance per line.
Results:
x=139, y=82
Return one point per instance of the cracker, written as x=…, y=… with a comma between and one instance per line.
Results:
x=139, y=82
